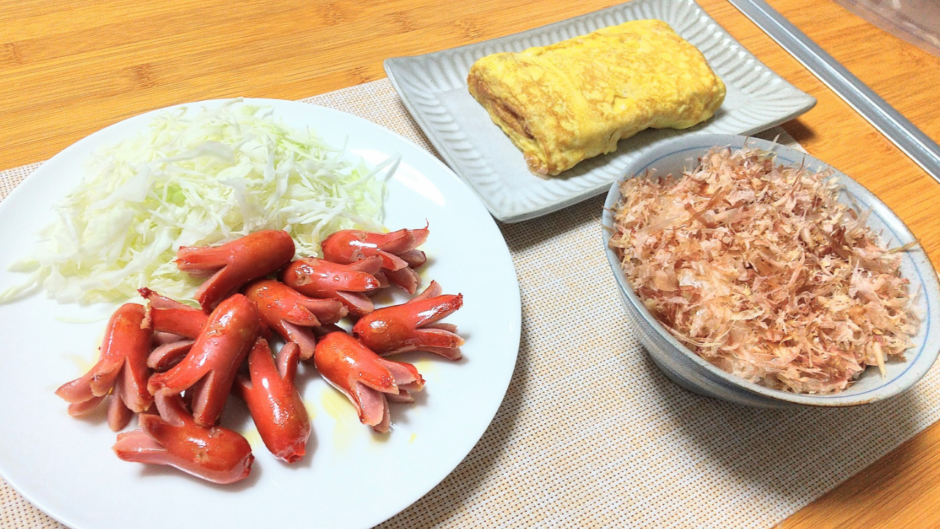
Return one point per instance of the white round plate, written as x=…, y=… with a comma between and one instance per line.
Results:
x=351, y=477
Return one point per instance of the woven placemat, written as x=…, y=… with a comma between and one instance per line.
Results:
x=590, y=433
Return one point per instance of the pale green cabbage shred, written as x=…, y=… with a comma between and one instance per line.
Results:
x=195, y=178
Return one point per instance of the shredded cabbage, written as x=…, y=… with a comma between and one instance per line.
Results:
x=195, y=178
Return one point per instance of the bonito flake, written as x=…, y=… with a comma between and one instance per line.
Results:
x=758, y=269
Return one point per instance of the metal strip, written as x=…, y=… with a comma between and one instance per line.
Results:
x=923, y=150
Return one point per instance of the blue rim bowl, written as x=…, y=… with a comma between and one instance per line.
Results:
x=693, y=373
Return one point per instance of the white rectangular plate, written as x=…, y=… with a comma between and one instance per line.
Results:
x=434, y=89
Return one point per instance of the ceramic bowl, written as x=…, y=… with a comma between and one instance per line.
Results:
x=688, y=370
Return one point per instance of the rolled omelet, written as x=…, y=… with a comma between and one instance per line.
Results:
x=567, y=102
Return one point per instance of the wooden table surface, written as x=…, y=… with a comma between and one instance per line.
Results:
x=71, y=67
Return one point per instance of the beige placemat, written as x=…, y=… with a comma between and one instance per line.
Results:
x=590, y=433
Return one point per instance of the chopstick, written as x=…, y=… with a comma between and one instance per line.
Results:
x=911, y=140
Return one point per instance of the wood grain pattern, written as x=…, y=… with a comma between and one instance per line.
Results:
x=71, y=67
